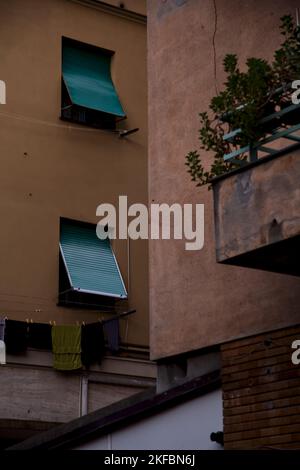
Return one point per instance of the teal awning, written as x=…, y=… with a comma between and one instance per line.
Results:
x=90, y=262
x=86, y=73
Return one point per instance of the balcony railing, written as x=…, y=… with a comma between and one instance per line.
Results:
x=283, y=124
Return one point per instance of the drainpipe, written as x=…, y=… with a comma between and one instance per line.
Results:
x=83, y=406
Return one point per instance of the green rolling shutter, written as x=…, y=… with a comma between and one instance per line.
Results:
x=90, y=262
x=86, y=73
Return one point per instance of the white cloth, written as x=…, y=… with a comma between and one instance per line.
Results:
x=2, y=352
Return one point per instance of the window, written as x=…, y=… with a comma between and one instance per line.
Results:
x=88, y=93
x=89, y=272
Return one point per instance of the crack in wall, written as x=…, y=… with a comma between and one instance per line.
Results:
x=214, y=44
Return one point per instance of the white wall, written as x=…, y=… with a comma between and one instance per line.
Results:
x=184, y=427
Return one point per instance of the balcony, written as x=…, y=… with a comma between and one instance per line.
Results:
x=257, y=206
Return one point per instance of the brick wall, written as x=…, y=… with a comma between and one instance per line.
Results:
x=261, y=391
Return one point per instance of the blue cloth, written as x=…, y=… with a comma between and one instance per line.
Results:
x=112, y=334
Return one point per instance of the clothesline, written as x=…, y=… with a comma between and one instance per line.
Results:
x=72, y=345
x=118, y=315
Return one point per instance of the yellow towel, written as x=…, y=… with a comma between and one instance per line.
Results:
x=66, y=347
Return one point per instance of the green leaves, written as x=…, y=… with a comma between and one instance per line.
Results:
x=286, y=63
x=230, y=64
x=246, y=98
x=287, y=25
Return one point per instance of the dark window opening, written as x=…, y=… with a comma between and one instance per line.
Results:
x=80, y=115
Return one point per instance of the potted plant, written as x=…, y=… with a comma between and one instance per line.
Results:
x=252, y=102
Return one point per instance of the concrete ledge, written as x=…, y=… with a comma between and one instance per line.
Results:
x=117, y=11
x=110, y=364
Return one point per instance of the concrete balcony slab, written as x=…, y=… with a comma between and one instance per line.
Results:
x=257, y=214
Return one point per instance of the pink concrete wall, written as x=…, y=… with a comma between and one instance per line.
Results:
x=194, y=301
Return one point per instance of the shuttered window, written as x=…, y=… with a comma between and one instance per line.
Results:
x=89, y=94
x=90, y=263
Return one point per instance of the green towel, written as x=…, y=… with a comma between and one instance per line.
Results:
x=66, y=347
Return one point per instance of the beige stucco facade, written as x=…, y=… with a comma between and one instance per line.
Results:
x=51, y=168
x=194, y=301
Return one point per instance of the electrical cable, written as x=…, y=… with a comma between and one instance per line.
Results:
x=53, y=124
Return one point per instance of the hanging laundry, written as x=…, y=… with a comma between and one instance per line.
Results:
x=2, y=328
x=2, y=352
x=39, y=336
x=66, y=347
x=92, y=343
x=15, y=336
x=112, y=334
